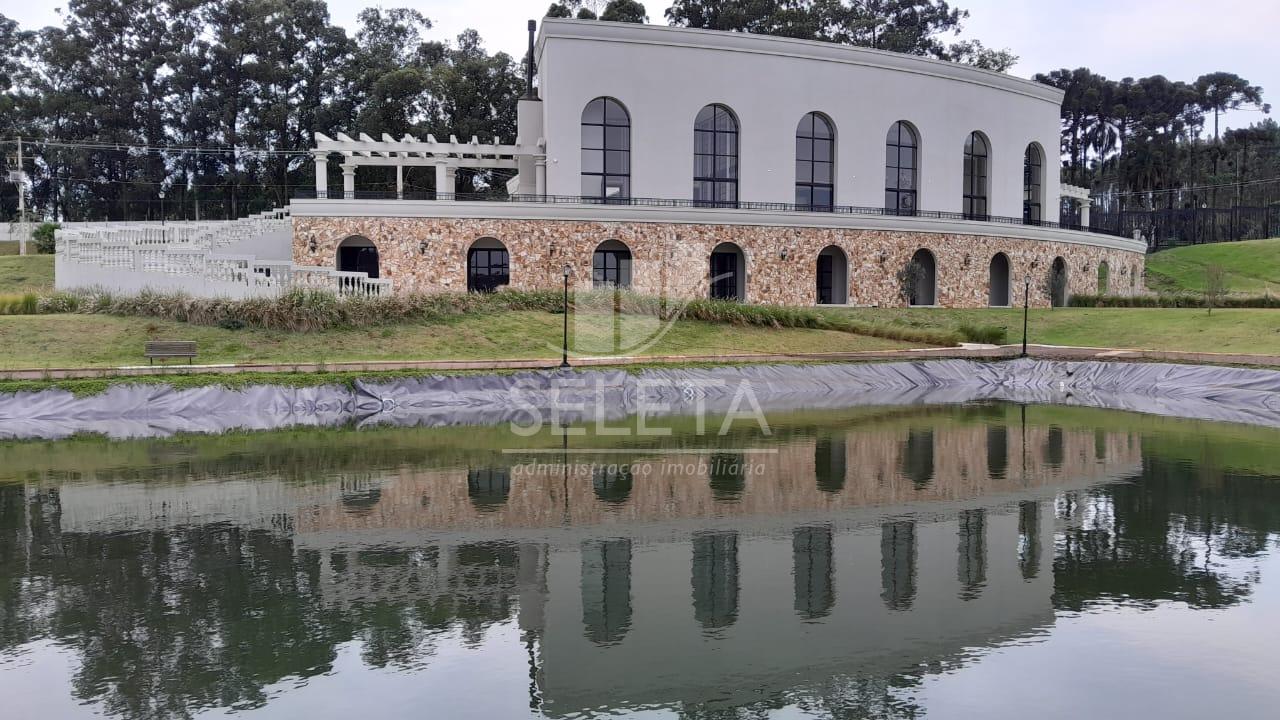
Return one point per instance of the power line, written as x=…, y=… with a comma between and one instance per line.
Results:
x=160, y=149
x=1195, y=188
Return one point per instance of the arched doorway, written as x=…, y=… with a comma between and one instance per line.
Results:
x=1104, y=277
x=833, y=276
x=925, y=281
x=998, y=295
x=358, y=254
x=728, y=273
x=488, y=266
x=611, y=265
x=1058, y=283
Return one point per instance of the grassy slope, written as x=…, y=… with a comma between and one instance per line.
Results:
x=32, y=273
x=1245, y=331
x=1252, y=267
x=40, y=341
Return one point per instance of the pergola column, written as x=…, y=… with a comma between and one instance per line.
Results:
x=348, y=180
x=322, y=173
x=399, y=181
x=444, y=180
x=1084, y=213
x=540, y=175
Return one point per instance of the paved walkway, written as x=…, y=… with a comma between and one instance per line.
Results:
x=972, y=352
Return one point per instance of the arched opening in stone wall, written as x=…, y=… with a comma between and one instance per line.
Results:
x=1104, y=278
x=999, y=293
x=833, y=276
x=1058, y=282
x=611, y=265
x=728, y=273
x=924, y=280
x=488, y=266
x=358, y=254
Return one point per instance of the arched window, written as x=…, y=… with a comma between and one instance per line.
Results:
x=611, y=265
x=358, y=254
x=976, y=155
x=488, y=266
x=606, y=150
x=728, y=275
x=902, y=158
x=833, y=276
x=1032, y=185
x=815, y=163
x=715, y=157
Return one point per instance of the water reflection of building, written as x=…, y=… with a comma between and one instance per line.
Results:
x=823, y=472
x=716, y=612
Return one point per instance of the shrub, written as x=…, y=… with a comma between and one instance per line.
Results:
x=230, y=323
x=909, y=278
x=24, y=304
x=988, y=334
x=60, y=302
x=43, y=237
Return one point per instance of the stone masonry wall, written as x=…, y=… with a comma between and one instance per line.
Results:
x=430, y=255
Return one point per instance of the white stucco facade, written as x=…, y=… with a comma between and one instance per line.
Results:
x=663, y=76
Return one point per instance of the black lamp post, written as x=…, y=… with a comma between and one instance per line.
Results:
x=564, y=357
x=1026, y=302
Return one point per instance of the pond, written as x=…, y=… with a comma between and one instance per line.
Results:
x=982, y=559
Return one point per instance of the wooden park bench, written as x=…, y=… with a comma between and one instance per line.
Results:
x=169, y=349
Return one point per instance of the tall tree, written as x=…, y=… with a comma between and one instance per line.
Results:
x=628, y=11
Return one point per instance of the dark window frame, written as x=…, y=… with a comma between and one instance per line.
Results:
x=605, y=275
x=607, y=150
x=976, y=176
x=1032, y=186
x=808, y=138
x=894, y=193
x=707, y=189
x=481, y=282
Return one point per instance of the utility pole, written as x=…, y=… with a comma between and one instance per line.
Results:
x=23, y=230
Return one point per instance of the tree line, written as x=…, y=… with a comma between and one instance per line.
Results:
x=149, y=98
x=1154, y=143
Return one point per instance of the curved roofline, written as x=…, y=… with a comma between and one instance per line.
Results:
x=618, y=32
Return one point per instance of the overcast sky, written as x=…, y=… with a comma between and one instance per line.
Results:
x=1117, y=38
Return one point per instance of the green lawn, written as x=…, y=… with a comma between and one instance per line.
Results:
x=1252, y=267
x=1245, y=331
x=8, y=247
x=46, y=341
x=23, y=274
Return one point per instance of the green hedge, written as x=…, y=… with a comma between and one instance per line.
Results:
x=315, y=310
x=1172, y=300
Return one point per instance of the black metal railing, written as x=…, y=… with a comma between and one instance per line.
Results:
x=308, y=194
x=1174, y=227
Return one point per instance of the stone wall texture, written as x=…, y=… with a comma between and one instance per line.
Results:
x=671, y=259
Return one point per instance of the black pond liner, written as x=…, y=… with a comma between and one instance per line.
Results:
x=127, y=411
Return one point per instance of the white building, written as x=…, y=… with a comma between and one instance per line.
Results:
x=690, y=163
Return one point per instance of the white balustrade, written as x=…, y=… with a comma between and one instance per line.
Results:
x=184, y=256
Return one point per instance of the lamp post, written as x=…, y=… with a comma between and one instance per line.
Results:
x=1026, y=303
x=564, y=357
x=161, y=208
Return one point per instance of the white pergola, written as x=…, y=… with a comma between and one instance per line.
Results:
x=1080, y=195
x=445, y=157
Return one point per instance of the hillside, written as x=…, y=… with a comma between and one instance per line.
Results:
x=1252, y=267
